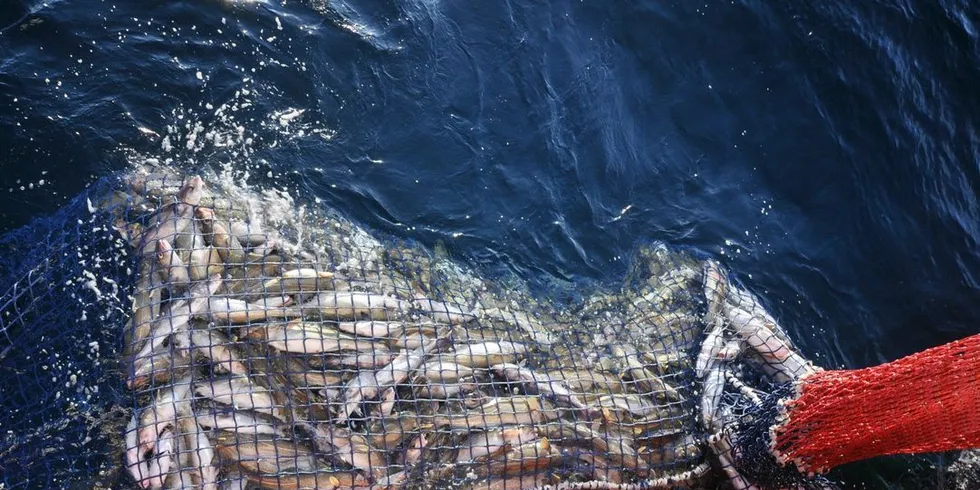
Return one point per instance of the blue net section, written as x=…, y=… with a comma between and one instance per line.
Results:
x=61, y=394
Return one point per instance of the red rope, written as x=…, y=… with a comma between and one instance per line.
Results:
x=926, y=402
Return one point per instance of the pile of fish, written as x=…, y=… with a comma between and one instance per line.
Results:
x=275, y=356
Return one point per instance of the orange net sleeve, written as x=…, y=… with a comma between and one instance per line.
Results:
x=926, y=402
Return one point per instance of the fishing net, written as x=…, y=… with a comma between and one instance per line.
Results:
x=311, y=355
x=62, y=402
x=164, y=333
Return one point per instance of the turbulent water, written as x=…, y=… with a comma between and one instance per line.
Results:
x=827, y=154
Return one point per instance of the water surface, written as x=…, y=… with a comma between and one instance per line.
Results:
x=827, y=154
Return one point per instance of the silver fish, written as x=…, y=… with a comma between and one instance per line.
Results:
x=600, y=467
x=391, y=432
x=449, y=391
x=410, y=340
x=530, y=326
x=541, y=383
x=298, y=281
x=353, y=305
x=265, y=454
x=715, y=290
x=228, y=246
x=334, y=306
x=252, y=423
x=190, y=239
x=375, y=329
x=136, y=464
x=248, y=234
x=708, y=367
x=610, y=444
x=172, y=268
x=200, y=455
x=358, y=360
x=146, y=307
x=176, y=319
x=159, y=464
x=635, y=405
x=498, y=412
x=168, y=403
x=713, y=386
x=521, y=459
x=789, y=364
x=204, y=262
x=723, y=450
x=310, y=338
x=488, y=444
x=483, y=355
x=233, y=311
x=223, y=304
x=239, y=392
x=649, y=383
x=214, y=346
x=442, y=311
x=440, y=371
x=174, y=217
x=271, y=302
x=350, y=447
x=164, y=364
x=370, y=384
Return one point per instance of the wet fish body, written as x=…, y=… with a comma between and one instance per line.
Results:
x=172, y=268
x=484, y=354
x=176, y=319
x=369, y=384
x=238, y=392
x=173, y=218
x=299, y=281
x=311, y=338
x=540, y=383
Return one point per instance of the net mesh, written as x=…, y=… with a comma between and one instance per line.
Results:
x=226, y=337
x=835, y=417
x=60, y=324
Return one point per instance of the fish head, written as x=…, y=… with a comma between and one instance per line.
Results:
x=135, y=463
x=192, y=192
x=206, y=216
x=164, y=246
x=164, y=250
x=138, y=466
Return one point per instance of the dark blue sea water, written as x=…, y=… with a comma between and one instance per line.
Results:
x=827, y=152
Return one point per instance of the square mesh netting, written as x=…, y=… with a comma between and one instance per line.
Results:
x=266, y=344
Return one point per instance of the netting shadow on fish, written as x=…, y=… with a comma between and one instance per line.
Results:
x=223, y=337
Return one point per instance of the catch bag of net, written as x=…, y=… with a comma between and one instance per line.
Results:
x=171, y=331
